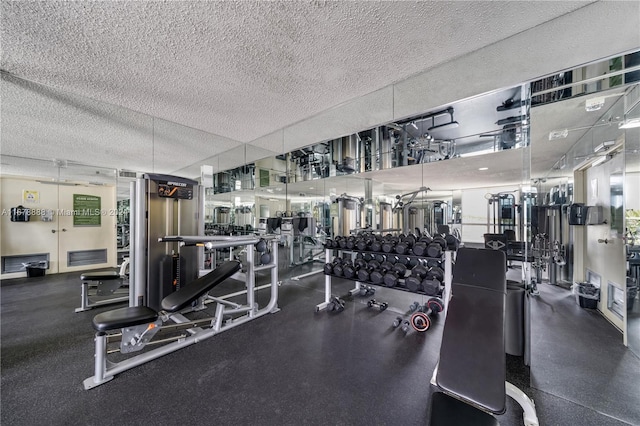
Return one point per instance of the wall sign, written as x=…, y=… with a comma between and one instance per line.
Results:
x=86, y=210
x=30, y=197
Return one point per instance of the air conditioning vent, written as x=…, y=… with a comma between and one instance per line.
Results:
x=126, y=174
x=86, y=257
x=16, y=263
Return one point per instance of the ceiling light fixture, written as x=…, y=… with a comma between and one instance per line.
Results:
x=483, y=168
x=599, y=161
x=475, y=153
x=414, y=125
x=629, y=123
x=558, y=134
x=604, y=146
x=594, y=104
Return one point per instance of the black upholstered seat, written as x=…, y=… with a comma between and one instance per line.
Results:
x=100, y=276
x=472, y=353
x=124, y=317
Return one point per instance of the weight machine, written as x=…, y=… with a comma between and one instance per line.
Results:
x=409, y=217
x=501, y=212
x=132, y=329
x=165, y=278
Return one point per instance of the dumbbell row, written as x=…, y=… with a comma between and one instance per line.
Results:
x=423, y=245
x=420, y=278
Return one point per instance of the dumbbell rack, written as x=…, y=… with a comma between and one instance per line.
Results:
x=446, y=292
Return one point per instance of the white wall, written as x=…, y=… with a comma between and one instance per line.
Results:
x=608, y=260
x=37, y=236
x=632, y=191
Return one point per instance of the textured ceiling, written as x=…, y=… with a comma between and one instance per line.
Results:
x=245, y=69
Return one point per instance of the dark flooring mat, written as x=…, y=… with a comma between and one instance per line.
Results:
x=293, y=367
x=579, y=356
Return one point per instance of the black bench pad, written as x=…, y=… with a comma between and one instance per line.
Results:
x=190, y=292
x=472, y=355
x=448, y=411
x=124, y=317
x=100, y=276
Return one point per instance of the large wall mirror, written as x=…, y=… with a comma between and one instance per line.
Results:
x=509, y=160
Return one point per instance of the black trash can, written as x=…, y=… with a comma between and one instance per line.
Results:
x=587, y=295
x=35, y=269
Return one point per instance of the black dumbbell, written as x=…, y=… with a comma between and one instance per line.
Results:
x=380, y=305
x=431, y=286
x=432, y=263
x=360, y=263
x=438, y=239
x=414, y=306
x=413, y=262
x=335, y=304
x=380, y=257
x=376, y=276
x=420, y=248
x=390, y=279
x=420, y=321
x=434, y=250
x=261, y=246
x=362, y=243
x=400, y=269
x=386, y=266
x=338, y=269
x=367, y=290
x=435, y=305
x=419, y=271
x=405, y=326
x=388, y=246
x=349, y=269
x=406, y=261
x=265, y=258
x=342, y=242
x=403, y=247
x=413, y=283
x=376, y=246
x=437, y=273
x=328, y=267
x=396, y=322
x=351, y=243
x=452, y=242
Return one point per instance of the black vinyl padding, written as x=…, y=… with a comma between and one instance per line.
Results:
x=124, y=317
x=190, y=292
x=448, y=411
x=472, y=354
x=136, y=315
x=100, y=276
x=479, y=267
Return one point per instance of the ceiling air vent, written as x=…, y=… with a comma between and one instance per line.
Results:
x=126, y=174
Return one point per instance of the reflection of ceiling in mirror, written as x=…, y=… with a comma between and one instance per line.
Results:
x=584, y=129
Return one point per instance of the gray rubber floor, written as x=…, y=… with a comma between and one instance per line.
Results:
x=296, y=366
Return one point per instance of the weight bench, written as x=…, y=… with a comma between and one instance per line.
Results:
x=471, y=372
x=105, y=283
x=140, y=324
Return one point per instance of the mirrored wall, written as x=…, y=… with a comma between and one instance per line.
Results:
x=509, y=160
